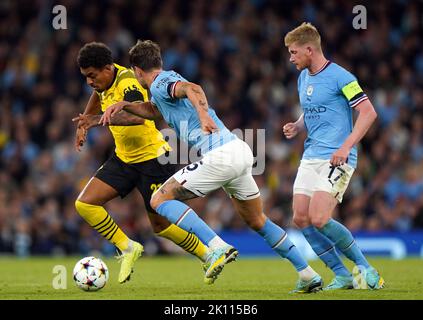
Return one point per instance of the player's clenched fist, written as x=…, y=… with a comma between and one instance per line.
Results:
x=340, y=156
x=208, y=126
x=290, y=130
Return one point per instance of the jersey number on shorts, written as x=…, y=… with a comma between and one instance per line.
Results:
x=332, y=178
x=192, y=166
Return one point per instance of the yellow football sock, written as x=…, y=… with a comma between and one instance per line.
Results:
x=98, y=218
x=186, y=240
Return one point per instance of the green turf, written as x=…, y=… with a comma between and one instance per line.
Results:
x=181, y=278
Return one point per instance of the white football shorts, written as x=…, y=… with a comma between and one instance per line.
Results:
x=320, y=175
x=228, y=167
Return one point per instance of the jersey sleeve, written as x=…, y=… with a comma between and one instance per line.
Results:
x=348, y=85
x=164, y=90
x=171, y=88
x=132, y=91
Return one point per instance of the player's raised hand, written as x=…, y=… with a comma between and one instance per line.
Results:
x=81, y=137
x=81, y=133
x=106, y=118
x=340, y=156
x=78, y=118
x=208, y=126
x=290, y=130
x=86, y=121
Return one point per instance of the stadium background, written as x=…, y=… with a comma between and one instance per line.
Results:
x=234, y=49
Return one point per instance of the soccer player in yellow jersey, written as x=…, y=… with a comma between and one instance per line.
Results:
x=134, y=164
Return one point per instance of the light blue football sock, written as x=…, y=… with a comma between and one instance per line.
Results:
x=184, y=217
x=325, y=250
x=278, y=240
x=344, y=241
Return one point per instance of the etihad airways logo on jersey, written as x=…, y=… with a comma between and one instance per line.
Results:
x=313, y=113
x=314, y=110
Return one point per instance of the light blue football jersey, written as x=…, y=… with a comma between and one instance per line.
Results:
x=327, y=99
x=182, y=116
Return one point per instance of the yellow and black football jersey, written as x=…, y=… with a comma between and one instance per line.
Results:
x=133, y=143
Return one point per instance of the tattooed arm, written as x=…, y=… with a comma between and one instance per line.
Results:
x=196, y=95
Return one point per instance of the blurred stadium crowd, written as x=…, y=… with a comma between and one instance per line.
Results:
x=234, y=49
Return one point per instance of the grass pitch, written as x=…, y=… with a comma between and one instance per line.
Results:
x=181, y=278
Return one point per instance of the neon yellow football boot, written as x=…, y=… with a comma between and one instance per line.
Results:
x=127, y=261
x=216, y=261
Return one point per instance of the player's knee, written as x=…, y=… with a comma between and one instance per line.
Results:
x=319, y=222
x=301, y=220
x=256, y=222
x=155, y=201
x=88, y=199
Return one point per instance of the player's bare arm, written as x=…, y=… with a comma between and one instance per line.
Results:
x=145, y=110
x=198, y=98
x=291, y=129
x=93, y=107
x=87, y=121
x=367, y=115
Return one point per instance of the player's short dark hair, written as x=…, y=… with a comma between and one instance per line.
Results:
x=94, y=54
x=145, y=55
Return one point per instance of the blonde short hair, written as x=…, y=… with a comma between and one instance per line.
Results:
x=305, y=33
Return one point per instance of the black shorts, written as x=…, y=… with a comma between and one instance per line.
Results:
x=146, y=176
